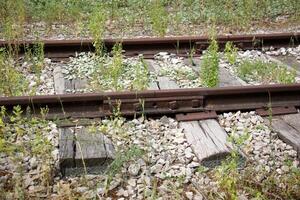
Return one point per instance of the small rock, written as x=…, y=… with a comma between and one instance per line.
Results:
x=132, y=182
x=120, y=192
x=179, y=140
x=101, y=190
x=33, y=162
x=268, y=169
x=198, y=197
x=156, y=168
x=193, y=164
x=81, y=189
x=134, y=169
x=189, y=195
x=279, y=171
x=242, y=197
x=165, y=120
x=115, y=183
x=227, y=129
x=285, y=168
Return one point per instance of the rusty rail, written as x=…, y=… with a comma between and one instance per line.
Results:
x=203, y=101
x=61, y=49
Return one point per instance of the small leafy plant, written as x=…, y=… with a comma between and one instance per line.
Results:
x=230, y=52
x=210, y=66
x=35, y=55
x=141, y=79
x=133, y=152
x=158, y=17
x=265, y=72
x=22, y=137
x=116, y=68
x=12, y=82
x=234, y=180
x=119, y=74
x=97, y=27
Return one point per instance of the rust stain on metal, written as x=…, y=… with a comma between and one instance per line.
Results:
x=276, y=111
x=161, y=102
x=197, y=116
x=62, y=49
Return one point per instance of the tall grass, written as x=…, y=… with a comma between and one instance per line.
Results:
x=210, y=66
x=124, y=14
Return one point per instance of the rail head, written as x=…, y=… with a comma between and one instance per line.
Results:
x=162, y=102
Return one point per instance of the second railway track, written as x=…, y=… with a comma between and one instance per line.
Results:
x=195, y=134
x=148, y=47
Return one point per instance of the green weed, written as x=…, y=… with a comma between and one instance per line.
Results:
x=191, y=56
x=158, y=17
x=97, y=27
x=14, y=127
x=265, y=72
x=118, y=74
x=35, y=55
x=12, y=82
x=116, y=67
x=230, y=52
x=227, y=174
x=12, y=19
x=131, y=14
x=210, y=66
x=232, y=180
x=141, y=78
x=132, y=153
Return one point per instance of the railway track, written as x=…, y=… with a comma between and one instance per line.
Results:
x=184, y=128
x=282, y=99
x=182, y=46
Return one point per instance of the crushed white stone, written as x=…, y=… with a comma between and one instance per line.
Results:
x=173, y=67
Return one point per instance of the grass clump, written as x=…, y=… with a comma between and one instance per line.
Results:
x=12, y=82
x=158, y=17
x=227, y=174
x=141, y=76
x=97, y=27
x=132, y=15
x=35, y=55
x=116, y=68
x=109, y=73
x=233, y=181
x=21, y=138
x=251, y=180
x=265, y=72
x=12, y=19
x=183, y=75
x=132, y=153
x=119, y=74
x=210, y=66
x=230, y=52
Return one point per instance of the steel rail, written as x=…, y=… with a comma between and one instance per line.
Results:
x=162, y=102
x=182, y=45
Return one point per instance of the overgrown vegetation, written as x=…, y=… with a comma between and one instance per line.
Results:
x=234, y=181
x=230, y=52
x=120, y=75
x=21, y=138
x=123, y=157
x=97, y=27
x=12, y=82
x=109, y=73
x=143, y=14
x=35, y=55
x=12, y=19
x=158, y=17
x=210, y=65
x=265, y=72
x=182, y=74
